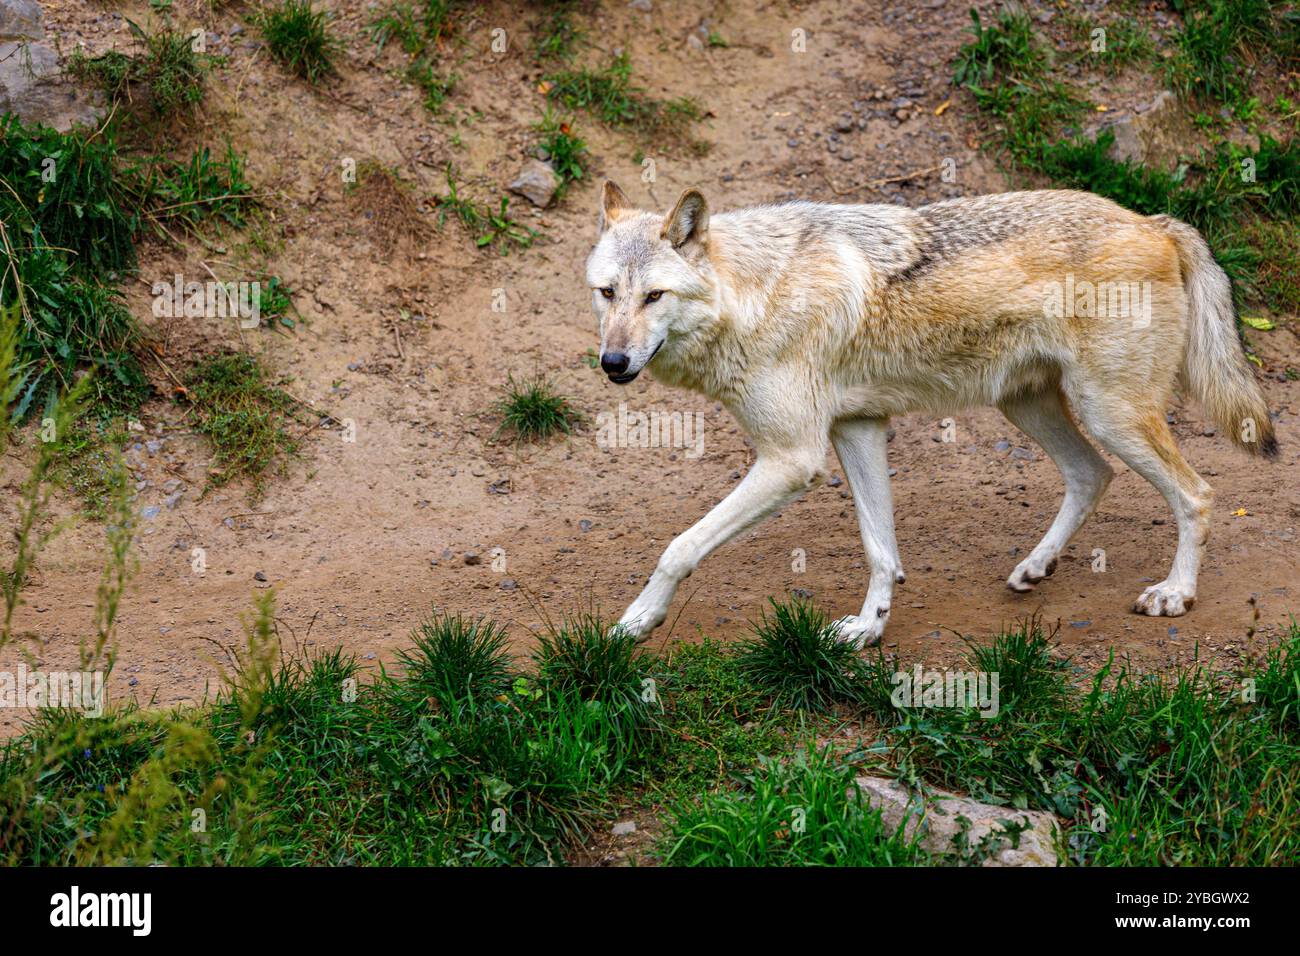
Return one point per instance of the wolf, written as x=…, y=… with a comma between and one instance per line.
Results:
x=814, y=323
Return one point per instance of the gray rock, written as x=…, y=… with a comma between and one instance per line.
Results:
x=33, y=86
x=935, y=817
x=624, y=827
x=21, y=19
x=1155, y=134
x=537, y=183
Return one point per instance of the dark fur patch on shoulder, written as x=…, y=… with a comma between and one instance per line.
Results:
x=956, y=224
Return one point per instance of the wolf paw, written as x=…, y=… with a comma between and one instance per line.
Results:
x=637, y=623
x=861, y=631
x=1029, y=572
x=1164, y=600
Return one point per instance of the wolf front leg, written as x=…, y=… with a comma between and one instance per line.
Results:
x=860, y=443
x=775, y=479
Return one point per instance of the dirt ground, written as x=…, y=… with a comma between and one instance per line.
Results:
x=363, y=538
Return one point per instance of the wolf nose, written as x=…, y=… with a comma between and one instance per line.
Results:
x=614, y=363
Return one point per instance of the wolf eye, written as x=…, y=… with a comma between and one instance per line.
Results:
x=654, y=296
x=607, y=292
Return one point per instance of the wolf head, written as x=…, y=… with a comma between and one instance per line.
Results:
x=650, y=277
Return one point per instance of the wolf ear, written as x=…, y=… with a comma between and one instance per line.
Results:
x=613, y=202
x=688, y=222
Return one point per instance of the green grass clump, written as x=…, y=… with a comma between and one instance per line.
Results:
x=1216, y=46
x=1122, y=43
x=1009, y=46
x=422, y=29
x=300, y=38
x=86, y=462
x=586, y=658
x=533, y=411
x=165, y=71
x=806, y=812
x=66, y=224
x=418, y=27
x=610, y=95
x=436, y=87
x=457, y=660
x=207, y=187
x=244, y=415
x=64, y=192
x=795, y=658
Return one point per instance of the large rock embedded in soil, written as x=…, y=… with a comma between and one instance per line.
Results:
x=937, y=817
x=32, y=83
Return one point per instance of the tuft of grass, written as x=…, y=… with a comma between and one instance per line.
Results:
x=1212, y=54
x=805, y=812
x=1121, y=43
x=244, y=415
x=610, y=95
x=206, y=187
x=300, y=38
x=436, y=87
x=165, y=71
x=66, y=226
x=533, y=411
x=456, y=660
x=795, y=658
x=585, y=658
x=1009, y=46
x=422, y=30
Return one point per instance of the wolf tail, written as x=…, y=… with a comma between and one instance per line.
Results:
x=1215, y=365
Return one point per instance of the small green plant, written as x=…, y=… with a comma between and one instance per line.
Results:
x=435, y=87
x=88, y=459
x=244, y=415
x=533, y=411
x=564, y=151
x=1211, y=57
x=1113, y=45
x=587, y=659
x=300, y=38
x=488, y=227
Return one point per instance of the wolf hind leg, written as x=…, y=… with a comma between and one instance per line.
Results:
x=1042, y=416
x=1137, y=433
